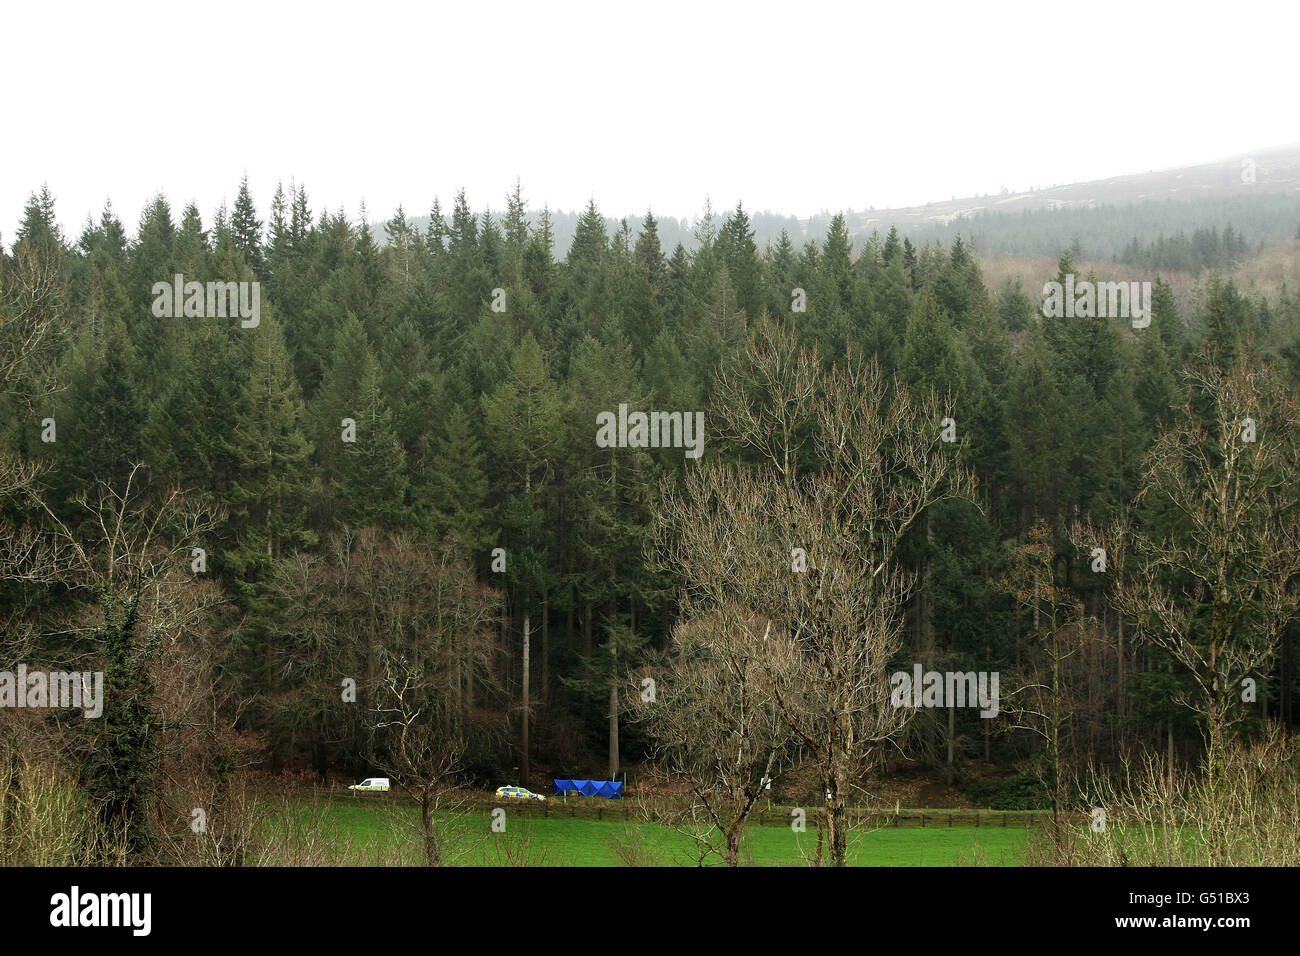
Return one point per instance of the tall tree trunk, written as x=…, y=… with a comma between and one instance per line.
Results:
x=454, y=709
x=1122, y=696
x=586, y=628
x=926, y=609
x=613, y=706
x=988, y=655
x=503, y=655
x=526, y=778
x=1288, y=678
x=546, y=648
x=1169, y=732
x=839, y=819
x=432, y=852
x=952, y=733
x=468, y=708
x=568, y=618
x=733, y=844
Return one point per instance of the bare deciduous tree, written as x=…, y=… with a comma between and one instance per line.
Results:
x=422, y=762
x=1211, y=566
x=1042, y=694
x=735, y=531
x=373, y=593
x=715, y=726
x=33, y=311
x=438, y=621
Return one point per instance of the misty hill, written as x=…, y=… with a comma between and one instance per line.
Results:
x=1258, y=196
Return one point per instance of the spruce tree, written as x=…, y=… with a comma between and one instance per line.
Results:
x=372, y=490
x=246, y=228
x=457, y=489
x=268, y=499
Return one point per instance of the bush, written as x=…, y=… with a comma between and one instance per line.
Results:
x=45, y=819
x=1240, y=809
x=1022, y=792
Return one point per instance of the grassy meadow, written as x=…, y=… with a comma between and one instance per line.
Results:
x=382, y=831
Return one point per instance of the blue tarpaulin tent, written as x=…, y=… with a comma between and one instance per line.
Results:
x=609, y=789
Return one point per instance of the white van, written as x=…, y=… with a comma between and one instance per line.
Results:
x=371, y=783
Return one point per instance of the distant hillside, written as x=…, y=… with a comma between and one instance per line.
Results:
x=1257, y=195
x=1275, y=171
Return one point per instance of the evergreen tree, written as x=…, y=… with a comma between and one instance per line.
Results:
x=740, y=255
x=246, y=228
x=457, y=490
x=1039, y=434
x=893, y=248
x=268, y=499
x=929, y=359
x=100, y=416
x=373, y=486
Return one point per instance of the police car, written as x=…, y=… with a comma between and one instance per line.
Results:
x=518, y=793
x=372, y=783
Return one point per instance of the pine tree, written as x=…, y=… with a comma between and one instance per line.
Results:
x=589, y=241
x=185, y=437
x=539, y=262
x=1154, y=387
x=878, y=341
x=190, y=246
x=457, y=489
x=892, y=296
x=516, y=232
x=929, y=359
x=279, y=250
x=152, y=257
x=893, y=248
x=910, y=262
x=675, y=294
x=403, y=251
x=268, y=499
x=1039, y=433
x=246, y=228
x=1227, y=321
x=101, y=414
x=649, y=253
x=835, y=264
x=372, y=490
x=740, y=255
x=299, y=219
x=523, y=417
x=339, y=396
x=436, y=235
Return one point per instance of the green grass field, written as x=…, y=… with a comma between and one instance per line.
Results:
x=375, y=832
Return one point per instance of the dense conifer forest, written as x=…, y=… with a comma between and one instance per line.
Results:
x=275, y=534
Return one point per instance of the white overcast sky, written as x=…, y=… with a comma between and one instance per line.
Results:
x=795, y=107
